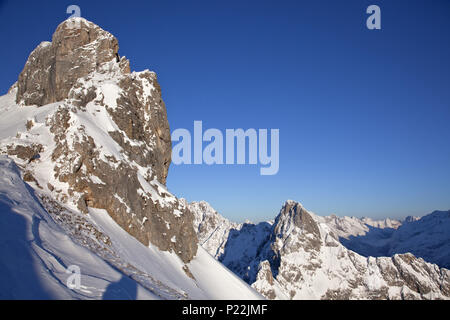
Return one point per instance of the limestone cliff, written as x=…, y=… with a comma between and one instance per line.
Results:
x=105, y=140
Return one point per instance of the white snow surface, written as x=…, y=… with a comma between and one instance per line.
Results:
x=36, y=251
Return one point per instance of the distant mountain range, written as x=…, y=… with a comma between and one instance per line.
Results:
x=300, y=255
x=85, y=150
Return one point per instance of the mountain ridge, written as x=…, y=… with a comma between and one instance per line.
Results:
x=41, y=239
x=87, y=144
x=85, y=151
x=107, y=139
x=300, y=256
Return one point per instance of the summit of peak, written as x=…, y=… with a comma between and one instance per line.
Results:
x=78, y=48
x=292, y=203
x=293, y=214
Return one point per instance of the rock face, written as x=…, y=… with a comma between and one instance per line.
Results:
x=299, y=256
x=78, y=48
x=427, y=237
x=105, y=141
x=40, y=238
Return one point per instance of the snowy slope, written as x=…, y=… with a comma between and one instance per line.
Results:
x=365, y=236
x=212, y=229
x=224, y=239
x=427, y=237
x=36, y=251
x=300, y=256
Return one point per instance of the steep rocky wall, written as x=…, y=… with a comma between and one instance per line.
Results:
x=78, y=48
x=112, y=145
x=300, y=257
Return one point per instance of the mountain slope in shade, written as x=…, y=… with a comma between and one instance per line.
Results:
x=212, y=229
x=365, y=236
x=39, y=246
x=299, y=256
x=427, y=237
x=97, y=136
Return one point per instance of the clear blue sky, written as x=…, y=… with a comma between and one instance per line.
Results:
x=364, y=116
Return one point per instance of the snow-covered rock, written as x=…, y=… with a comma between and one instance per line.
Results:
x=212, y=229
x=95, y=135
x=85, y=150
x=40, y=239
x=300, y=256
x=427, y=237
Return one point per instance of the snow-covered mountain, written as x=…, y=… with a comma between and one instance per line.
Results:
x=85, y=151
x=212, y=229
x=41, y=238
x=300, y=256
x=427, y=237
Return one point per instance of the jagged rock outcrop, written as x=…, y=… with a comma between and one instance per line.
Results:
x=425, y=237
x=212, y=229
x=235, y=245
x=78, y=48
x=299, y=256
x=104, y=142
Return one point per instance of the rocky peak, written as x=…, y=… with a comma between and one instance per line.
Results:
x=105, y=140
x=293, y=215
x=76, y=33
x=78, y=48
x=303, y=253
